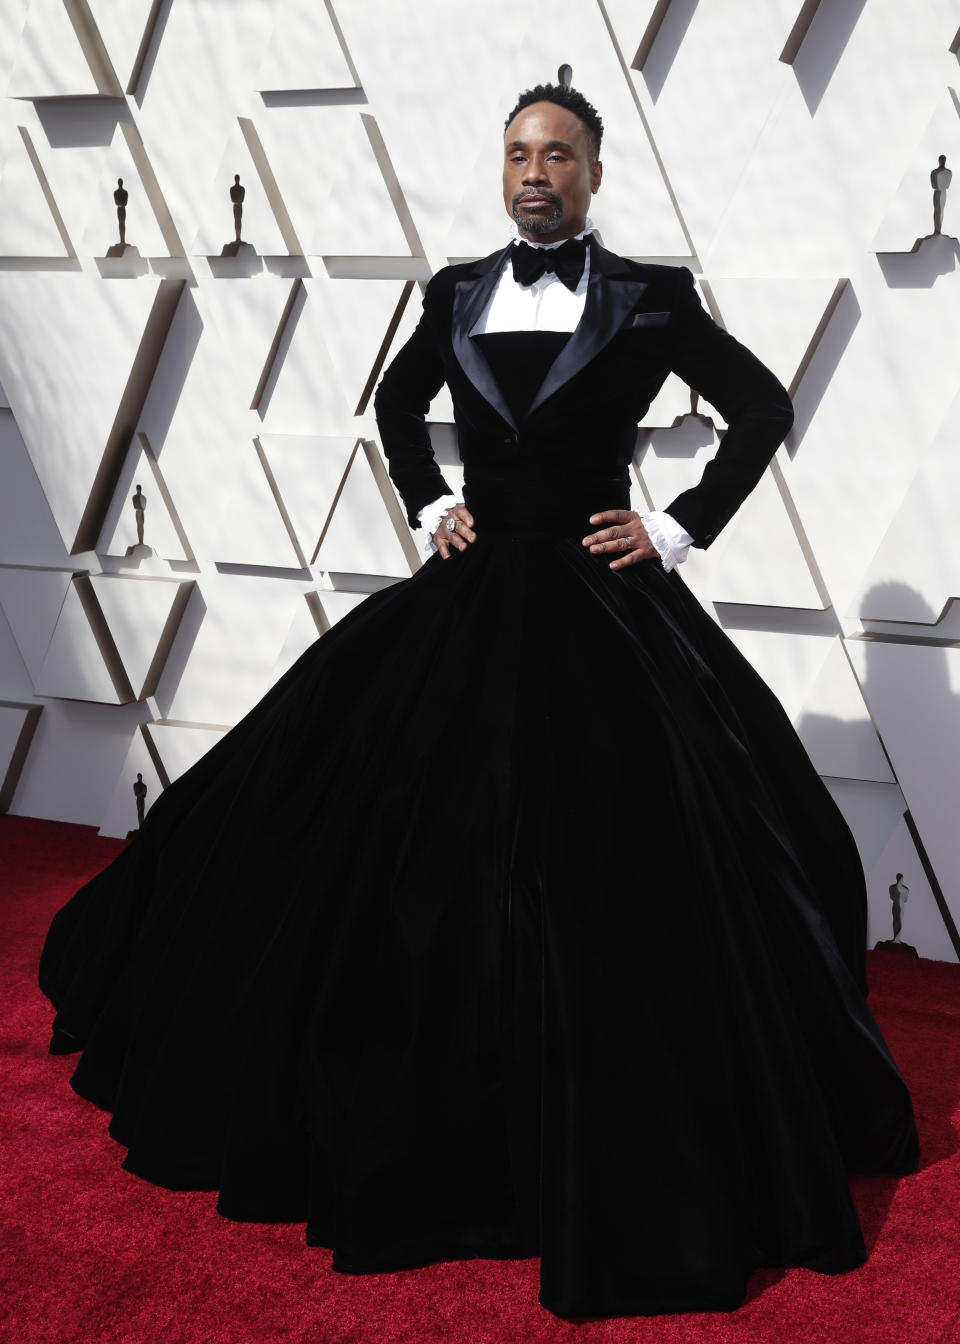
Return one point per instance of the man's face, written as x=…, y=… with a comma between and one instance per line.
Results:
x=549, y=174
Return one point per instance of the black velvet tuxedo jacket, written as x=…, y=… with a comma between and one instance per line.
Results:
x=639, y=322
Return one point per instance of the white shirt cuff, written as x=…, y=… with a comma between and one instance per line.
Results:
x=670, y=539
x=430, y=515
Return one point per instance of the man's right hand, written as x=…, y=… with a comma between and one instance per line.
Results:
x=444, y=538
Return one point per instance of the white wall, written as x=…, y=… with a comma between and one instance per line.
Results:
x=781, y=150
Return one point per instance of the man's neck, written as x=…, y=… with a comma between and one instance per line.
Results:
x=538, y=241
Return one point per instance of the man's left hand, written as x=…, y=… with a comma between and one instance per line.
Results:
x=627, y=537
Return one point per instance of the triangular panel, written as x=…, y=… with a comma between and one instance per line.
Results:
x=32, y=600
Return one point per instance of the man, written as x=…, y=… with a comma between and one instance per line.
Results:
x=631, y=324
x=584, y=734
x=402, y=911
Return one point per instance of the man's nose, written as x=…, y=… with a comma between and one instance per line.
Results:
x=536, y=172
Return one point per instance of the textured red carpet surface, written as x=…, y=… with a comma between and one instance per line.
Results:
x=89, y=1252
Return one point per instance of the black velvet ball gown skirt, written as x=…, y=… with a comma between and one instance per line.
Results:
x=514, y=920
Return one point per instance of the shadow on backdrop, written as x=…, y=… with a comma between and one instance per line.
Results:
x=661, y=41
x=822, y=365
x=822, y=46
x=921, y=267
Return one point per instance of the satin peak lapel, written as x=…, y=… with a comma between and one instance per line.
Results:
x=607, y=304
x=469, y=299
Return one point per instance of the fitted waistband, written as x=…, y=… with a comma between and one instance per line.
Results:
x=552, y=504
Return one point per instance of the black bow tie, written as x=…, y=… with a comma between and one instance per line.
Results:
x=566, y=261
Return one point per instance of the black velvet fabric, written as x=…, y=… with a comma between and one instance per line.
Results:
x=519, y=361
x=640, y=322
x=514, y=920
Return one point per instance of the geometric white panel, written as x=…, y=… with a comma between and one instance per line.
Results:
x=330, y=181
x=916, y=568
x=198, y=415
x=73, y=667
x=775, y=316
x=922, y=922
x=303, y=633
x=258, y=222
x=835, y=726
x=122, y=27
x=307, y=471
x=789, y=663
x=757, y=559
x=32, y=600
x=74, y=760
x=64, y=388
x=142, y=614
x=338, y=603
x=161, y=531
x=205, y=65
x=17, y=725
x=303, y=51
x=910, y=214
x=671, y=459
x=27, y=227
x=704, y=122
x=28, y=534
x=361, y=311
x=811, y=188
x=245, y=621
x=914, y=696
x=452, y=102
x=13, y=15
x=15, y=681
x=360, y=538
x=120, y=813
x=672, y=401
x=252, y=530
x=35, y=75
x=83, y=178
x=874, y=813
x=872, y=422
x=179, y=745
x=304, y=393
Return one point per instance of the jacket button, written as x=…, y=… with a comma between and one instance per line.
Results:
x=509, y=438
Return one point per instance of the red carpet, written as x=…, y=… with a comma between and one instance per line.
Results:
x=91, y=1253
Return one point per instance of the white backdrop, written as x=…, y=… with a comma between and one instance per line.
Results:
x=781, y=150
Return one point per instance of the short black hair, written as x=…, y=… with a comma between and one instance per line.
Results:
x=566, y=97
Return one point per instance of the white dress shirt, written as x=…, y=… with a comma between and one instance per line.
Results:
x=548, y=305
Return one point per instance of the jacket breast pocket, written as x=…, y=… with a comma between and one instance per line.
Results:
x=634, y=320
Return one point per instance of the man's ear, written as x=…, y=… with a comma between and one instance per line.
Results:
x=596, y=173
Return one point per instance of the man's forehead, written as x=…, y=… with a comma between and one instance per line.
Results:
x=557, y=123
x=520, y=143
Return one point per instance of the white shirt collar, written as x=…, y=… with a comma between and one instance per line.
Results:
x=588, y=227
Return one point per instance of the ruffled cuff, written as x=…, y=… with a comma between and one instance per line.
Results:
x=430, y=515
x=670, y=539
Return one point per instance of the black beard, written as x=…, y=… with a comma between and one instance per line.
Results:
x=539, y=223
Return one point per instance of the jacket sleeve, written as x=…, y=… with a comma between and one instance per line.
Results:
x=402, y=399
x=753, y=402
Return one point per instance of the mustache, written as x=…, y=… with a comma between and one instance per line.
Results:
x=550, y=196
